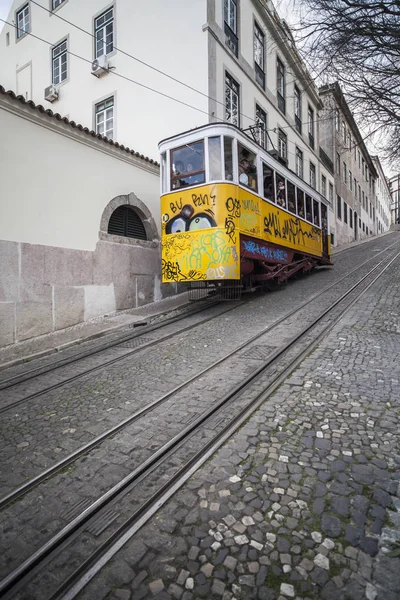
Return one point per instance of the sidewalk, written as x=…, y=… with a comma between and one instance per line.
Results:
x=59, y=340
x=304, y=500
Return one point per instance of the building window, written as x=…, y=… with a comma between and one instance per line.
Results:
x=351, y=218
x=330, y=193
x=104, y=117
x=338, y=164
x=232, y=113
x=345, y=212
x=344, y=132
x=7, y=38
x=311, y=126
x=282, y=144
x=299, y=163
x=56, y=3
x=350, y=181
x=23, y=21
x=355, y=187
x=349, y=136
x=261, y=122
x=259, y=54
x=363, y=201
x=297, y=108
x=104, y=33
x=125, y=222
x=230, y=18
x=280, y=85
x=359, y=193
x=323, y=185
x=337, y=119
x=313, y=176
x=60, y=63
x=339, y=206
x=344, y=172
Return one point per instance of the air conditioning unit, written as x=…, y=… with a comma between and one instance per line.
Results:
x=100, y=66
x=51, y=93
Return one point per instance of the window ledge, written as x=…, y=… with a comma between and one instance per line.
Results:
x=119, y=239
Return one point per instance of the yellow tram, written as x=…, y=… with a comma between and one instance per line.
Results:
x=233, y=216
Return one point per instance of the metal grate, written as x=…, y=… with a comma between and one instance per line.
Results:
x=259, y=352
x=135, y=343
x=224, y=290
x=77, y=509
x=126, y=222
x=101, y=523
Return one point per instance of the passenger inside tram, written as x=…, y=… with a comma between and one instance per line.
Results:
x=247, y=168
x=281, y=192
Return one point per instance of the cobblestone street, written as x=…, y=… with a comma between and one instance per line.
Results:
x=304, y=501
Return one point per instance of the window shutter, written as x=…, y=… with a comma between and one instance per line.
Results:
x=126, y=222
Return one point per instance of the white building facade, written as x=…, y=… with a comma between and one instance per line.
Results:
x=394, y=186
x=355, y=173
x=383, y=198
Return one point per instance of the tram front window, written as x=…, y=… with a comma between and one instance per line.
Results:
x=247, y=168
x=187, y=165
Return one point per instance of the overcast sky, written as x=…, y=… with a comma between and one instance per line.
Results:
x=4, y=8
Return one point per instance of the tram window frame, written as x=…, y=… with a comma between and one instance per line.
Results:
x=189, y=174
x=214, y=175
x=229, y=159
x=308, y=208
x=291, y=196
x=277, y=191
x=244, y=154
x=316, y=215
x=302, y=213
x=264, y=176
x=164, y=173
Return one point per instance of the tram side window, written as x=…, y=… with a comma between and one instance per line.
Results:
x=187, y=165
x=214, y=157
x=324, y=217
x=308, y=208
x=300, y=203
x=269, y=183
x=280, y=191
x=316, y=212
x=291, y=196
x=247, y=168
x=164, y=173
x=228, y=158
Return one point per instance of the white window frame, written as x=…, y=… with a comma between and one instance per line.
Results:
x=323, y=185
x=58, y=61
x=280, y=83
x=103, y=28
x=102, y=115
x=23, y=20
x=299, y=163
x=297, y=108
x=313, y=175
x=230, y=84
x=282, y=144
x=230, y=15
x=262, y=131
x=260, y=38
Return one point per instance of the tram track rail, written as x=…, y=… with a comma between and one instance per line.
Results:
x=32, y=374
x=300, y=344
x=141, y=412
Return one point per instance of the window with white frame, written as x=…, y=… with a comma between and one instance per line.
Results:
x=23, y=21
x=230, y=18
x=104, y=117
x=261, y=122
x=330, y=193
x=259, y=55
x=323, y=185
x=313, y=176
x=232, y=112
x=297, y=108
x=311, y=126
x=56, y=3
x=60, y=63
x=351, y=181
x=280, y=85
x=299, y=163
x=104, y=33
x=344, y=172
x=282, y=144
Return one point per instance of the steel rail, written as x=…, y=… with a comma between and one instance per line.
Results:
x=73, y=456
x=64, y=534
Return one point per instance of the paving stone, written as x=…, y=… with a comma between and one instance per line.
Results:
x=156, y=586
x=331, y=525
x=287, y=590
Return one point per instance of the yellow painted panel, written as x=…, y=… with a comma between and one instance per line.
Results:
x=200, y=234
x=200, y=231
